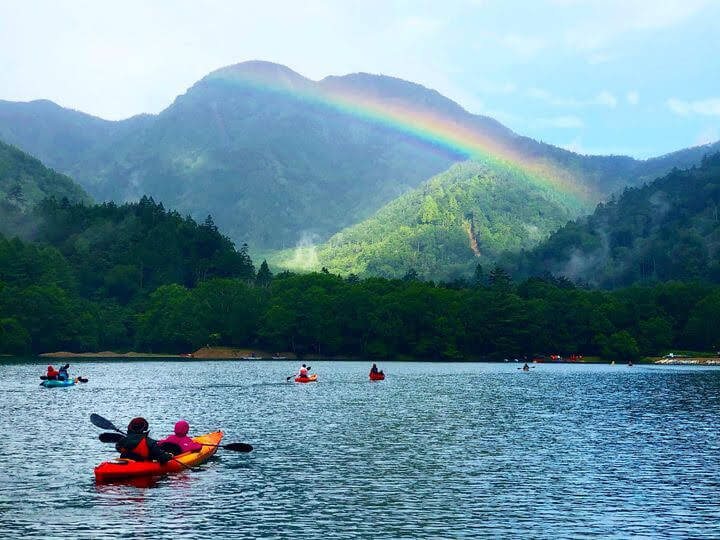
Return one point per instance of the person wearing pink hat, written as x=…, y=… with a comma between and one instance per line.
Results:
x=180, y=437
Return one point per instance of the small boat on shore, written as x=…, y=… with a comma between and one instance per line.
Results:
x=251, y=357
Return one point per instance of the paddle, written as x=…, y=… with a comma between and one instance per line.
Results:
x=291, y=376
x=104, y=423
x=235, y=447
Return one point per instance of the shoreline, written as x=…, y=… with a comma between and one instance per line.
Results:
x=688, y=361
x=236, y=353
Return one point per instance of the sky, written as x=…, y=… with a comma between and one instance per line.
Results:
x=635, y=77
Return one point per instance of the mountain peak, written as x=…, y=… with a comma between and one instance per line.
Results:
x=259, y=71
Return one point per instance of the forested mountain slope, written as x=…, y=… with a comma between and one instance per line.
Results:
x=276, y=157
x=465, y=216
x=24, y=182
x=666, y=230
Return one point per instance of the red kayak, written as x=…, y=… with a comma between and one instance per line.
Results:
x=377, y=376
x=311, y=378
x=122, y=469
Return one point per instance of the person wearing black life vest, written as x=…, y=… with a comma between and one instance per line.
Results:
x=138, y=446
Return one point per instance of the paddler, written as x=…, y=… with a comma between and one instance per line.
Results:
x=52, y=373
x=63, y=373
x=526, y=368
x=138, y=446
x=374, y=370
x=180, y=437
x=304, y=371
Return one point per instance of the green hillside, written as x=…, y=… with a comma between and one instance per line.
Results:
x=24, y=182
x=464, y=216
x=262, y=149
x=666, y=230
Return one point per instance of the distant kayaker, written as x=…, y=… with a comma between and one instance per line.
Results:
x=63, y=373
x=526, y=368
x=52, y=373
x=138, y=446
x=304, y=371
x=180, y=437
x=374, y=369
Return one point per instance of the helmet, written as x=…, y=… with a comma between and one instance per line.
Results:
x=138, y=425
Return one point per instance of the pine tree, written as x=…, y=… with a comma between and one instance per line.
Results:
x=264, y=275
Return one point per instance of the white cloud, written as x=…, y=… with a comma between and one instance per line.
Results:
x=523, y=45
x=604, y=98
x=602, y=21
x=707, y=136
x=561, y=122
x=633, y=98
x=705, y=107
x=497, y=88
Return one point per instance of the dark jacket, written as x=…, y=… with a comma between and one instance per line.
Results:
x=140, y=447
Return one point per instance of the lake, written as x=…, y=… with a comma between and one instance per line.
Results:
x=435, y=450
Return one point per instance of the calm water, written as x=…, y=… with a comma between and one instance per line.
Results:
x=436, y=450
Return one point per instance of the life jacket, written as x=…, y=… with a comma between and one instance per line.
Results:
x=141, y=450
x=303, y=372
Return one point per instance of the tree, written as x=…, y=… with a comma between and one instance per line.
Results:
x=620, y=346
x=264, y=276
x=14, y=339
x=500, y=280
x=654, y=335
x=478, y=276
x=410, y=275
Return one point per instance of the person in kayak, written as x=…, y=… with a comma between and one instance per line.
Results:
x=180, y=437
x=304, y=372
x=138, y=446
x=374, y=369
x=52, y=373
x=526, y=367
x=63, y=373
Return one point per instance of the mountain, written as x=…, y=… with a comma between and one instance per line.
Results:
x=464, y=216
x=277, y=158
x=24, y=182
x=666, y=230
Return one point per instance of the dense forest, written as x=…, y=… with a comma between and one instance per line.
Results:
x=666, y=230
x=24, y=182
x=271, y=155
x=137, y=276
x=467, y=215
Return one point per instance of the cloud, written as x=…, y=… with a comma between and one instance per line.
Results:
x=523, y=45
x=604, y=98
x=489, y=87
x=561, y=122
x=633, y=98
x=707, y=136
x=602, y=21
x=704, y=107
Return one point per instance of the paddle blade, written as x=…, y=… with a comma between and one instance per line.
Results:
x=102, y=423
x=82, y=379
x=238, y=447
x=110, y=437
x=43, y=377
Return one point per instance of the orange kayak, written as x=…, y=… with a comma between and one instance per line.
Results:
x=377, y=376
x=311, y=378
x=120, y=469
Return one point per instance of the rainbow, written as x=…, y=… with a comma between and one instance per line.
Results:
x=425, y=126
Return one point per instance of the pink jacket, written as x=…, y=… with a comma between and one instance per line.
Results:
x=180, y=438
